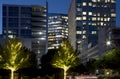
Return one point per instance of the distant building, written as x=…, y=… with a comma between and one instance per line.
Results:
x=85, y=19
x=114, y=37
x=27, y=22
x=57, y=29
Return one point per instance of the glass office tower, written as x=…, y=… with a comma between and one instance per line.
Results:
x=16, y=21
x=26, y=22
x=57, y=29
x=85, y=19
x=39, y=30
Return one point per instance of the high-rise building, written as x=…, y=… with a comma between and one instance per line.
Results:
x=26, y=22
x=57, y=29
x=85, y=19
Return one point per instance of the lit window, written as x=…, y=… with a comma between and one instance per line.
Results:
x=79, y=32
x=112, y=1
x=90, y=13
x=105, y=19
x=10, y=36
x=84, y=23
x=105, y=1
x=79, y=41
x=98, y=14
x=84, y=32
x=94, y=24
x=90, y=4
x=93, y=32
x=9, y=31
x=113, y=14
x=94, y=14
x=94, y=5
x=84, y=13
x=78, y=18
x=101, y=19
x=93, y=19
x=84, y=3
x=104, y=24
x=83, y=36
x=84, y=18
x=89, y=23
x=108, y=0
x=79, y=9
x=94, y=0
x=98, y=19
x=108, y=19
x=105, y=15
x=101, y=23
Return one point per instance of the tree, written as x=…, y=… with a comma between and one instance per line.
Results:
x=109, y=60
x=46, y=67
x=65, y=58
x=91, y=66
x=14, y=56
x=112, y=59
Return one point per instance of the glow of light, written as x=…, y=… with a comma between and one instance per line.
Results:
x=108, y=43
x=12, y=72
x=40, y=33
x=107, y=73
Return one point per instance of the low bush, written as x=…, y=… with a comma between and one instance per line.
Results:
x=103, y=77
x=108, y=77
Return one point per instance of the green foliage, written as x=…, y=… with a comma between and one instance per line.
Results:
x=66, y=57
x=108, y=77
x=90, y=66
x=103, y=77
x=14, y=55
x=111, y=59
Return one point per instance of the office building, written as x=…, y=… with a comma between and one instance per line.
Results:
x=57, y=29
x=26, y=22
x=114, y=37
x=86, y=17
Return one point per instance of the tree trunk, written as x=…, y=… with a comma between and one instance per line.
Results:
x=64, y=74
x=12, y=74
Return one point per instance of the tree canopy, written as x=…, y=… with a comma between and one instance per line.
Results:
x=15, y=56
x=111, y=59
x=66, y=57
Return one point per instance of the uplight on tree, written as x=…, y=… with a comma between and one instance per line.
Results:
x=65, y=58
x=14, y=56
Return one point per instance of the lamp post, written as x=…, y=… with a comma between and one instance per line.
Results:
x=108, y=43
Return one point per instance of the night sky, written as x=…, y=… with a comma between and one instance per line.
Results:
x=54, y=6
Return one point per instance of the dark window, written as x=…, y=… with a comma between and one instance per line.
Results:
x=4, y=11
x=25, y=33
x=4, y=22
x=13, y=22
x=26, y=22
x=13, y=11
x=26, y=12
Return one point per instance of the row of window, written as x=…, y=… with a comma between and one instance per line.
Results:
x=105, y=19
x=94, y=4
x=84, y=32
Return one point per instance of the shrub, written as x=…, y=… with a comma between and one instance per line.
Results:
x=103, y=77
x=115, y=77
x=108, y=77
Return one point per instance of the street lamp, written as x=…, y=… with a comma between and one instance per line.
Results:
x=108, y=43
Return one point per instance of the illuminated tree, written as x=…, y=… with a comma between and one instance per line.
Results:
x=14, y=56
x=65, y=58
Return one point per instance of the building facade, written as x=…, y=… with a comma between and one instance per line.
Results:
x=113, y=37
x=57, y=29
x=85, y=19
x=26, y=22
